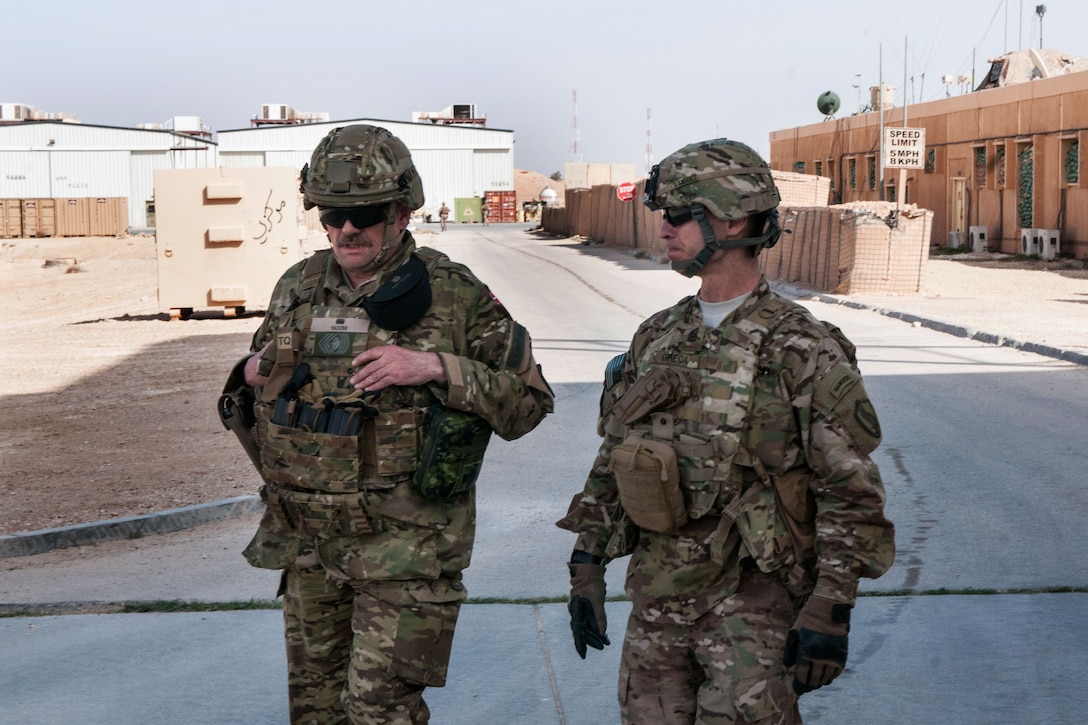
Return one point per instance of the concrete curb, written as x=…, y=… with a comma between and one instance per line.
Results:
x=131, y=527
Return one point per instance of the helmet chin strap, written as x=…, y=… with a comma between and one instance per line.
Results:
x=711, y=244
x=390, y=238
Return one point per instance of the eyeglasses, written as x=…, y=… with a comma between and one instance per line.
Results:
x=678, y=217
x=360, y=217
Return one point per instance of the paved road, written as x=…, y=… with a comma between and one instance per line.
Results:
x=985, y=495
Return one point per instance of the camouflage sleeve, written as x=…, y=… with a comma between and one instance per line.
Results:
x=595, y=514
x=492, y=372
x=839, y=430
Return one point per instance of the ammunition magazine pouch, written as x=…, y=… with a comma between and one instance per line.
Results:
x=648, y=482
x=451, y=454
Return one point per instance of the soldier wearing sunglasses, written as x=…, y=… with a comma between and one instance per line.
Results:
x=734, y=472
x=379, y=373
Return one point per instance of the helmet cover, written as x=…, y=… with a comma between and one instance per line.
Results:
x=728, y=178
x=361, y=165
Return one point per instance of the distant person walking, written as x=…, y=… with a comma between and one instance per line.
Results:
x=443, y=215
x=485, y=210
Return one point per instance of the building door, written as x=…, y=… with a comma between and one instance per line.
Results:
x=957, y=218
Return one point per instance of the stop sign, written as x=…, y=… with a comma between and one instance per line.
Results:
x=626, y=191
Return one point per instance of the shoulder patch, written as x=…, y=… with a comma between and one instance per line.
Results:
x=842, y=395
x=613, y=370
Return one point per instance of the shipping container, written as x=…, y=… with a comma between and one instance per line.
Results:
x=109, y=216
x=39, y=218
x=11, y=218
x=73, y=217
x=502, y=206
x=467, y=210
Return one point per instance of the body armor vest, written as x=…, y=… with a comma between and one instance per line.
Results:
x=375, y=441
x=707, y=427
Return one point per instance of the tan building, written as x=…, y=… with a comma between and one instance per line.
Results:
x=1002, y=165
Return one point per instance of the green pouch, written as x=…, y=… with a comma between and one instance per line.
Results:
x=451, y=454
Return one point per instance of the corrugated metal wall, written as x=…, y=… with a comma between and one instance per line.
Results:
x=453, y=161
x=242, y=159
x=53, y=159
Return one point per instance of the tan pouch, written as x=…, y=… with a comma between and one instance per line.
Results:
x=648, y=481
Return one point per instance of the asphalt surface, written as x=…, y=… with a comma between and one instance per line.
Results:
x=959, y=658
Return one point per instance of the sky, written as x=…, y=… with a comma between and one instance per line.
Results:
x=699, y=68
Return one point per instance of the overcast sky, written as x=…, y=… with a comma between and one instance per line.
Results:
x=703, y=68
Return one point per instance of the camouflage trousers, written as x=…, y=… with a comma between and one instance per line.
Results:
x=725, y=667
x=364, y=652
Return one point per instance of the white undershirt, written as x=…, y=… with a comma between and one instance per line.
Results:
x=715, y=312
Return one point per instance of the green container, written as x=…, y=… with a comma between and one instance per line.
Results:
x=468, y=211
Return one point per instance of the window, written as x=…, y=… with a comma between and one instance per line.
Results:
x=831, y=171
x=853, y=173
x=799, y=167
x=872, y=171
x=999, y=164
x=1025, y=166
x=819, y=166
x=1071, y=161
x=980, y=167
x=931, y=161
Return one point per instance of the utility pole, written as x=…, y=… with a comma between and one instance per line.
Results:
x=649, y=144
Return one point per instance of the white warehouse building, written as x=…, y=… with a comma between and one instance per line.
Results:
x=51, y=159
x=454, y=161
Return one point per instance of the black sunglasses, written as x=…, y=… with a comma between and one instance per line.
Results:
x=676, y=217
x=360, y=217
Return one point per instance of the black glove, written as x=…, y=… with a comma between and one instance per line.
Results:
x=587, y=617
x=817, y=644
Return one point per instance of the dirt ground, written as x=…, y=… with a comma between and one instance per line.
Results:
x=109, y=406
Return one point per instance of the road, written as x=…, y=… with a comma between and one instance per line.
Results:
x=983, y=453
x=983, y=459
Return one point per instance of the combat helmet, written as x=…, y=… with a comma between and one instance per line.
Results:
x=361, y=165
x=721, y=177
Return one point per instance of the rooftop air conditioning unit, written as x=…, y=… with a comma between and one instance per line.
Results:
x=978, y=237
x=1050, y=243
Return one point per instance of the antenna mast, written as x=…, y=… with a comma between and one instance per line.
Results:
x=575, y=134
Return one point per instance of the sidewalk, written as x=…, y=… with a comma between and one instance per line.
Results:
x=913, y=659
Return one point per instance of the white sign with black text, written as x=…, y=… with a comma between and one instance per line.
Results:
x=904, y=148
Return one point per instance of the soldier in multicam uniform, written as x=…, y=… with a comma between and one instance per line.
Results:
x=735, y=472
x=379, y=373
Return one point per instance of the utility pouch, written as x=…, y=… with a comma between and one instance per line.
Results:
x=451, y=454
x=648, y=481
x=323, y=515
x=236, y=411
